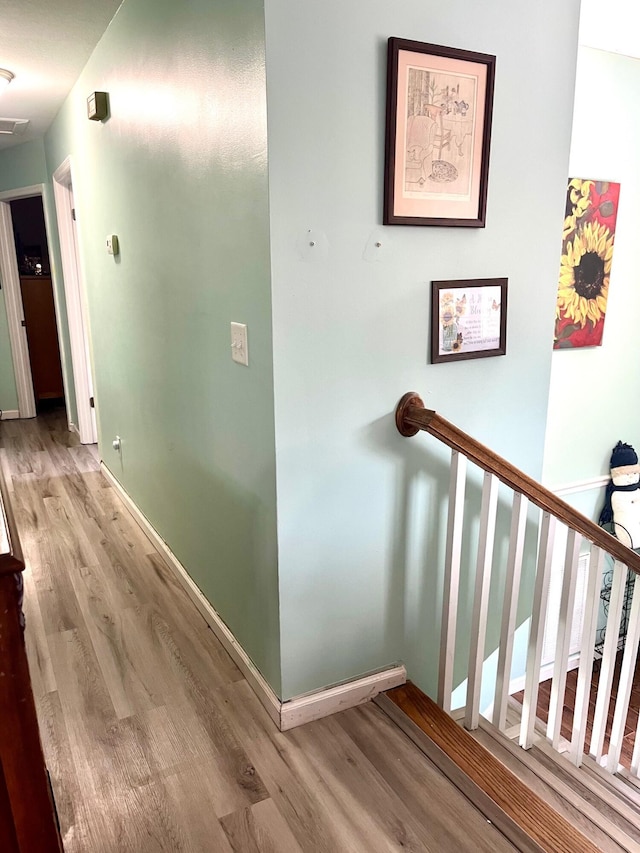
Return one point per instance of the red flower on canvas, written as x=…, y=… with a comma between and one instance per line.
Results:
x=604, y=196
x=570, y=335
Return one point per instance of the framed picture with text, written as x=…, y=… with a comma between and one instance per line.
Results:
x=439, y=106
x=468, y=319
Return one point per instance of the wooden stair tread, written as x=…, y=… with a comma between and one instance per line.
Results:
x=540, y=822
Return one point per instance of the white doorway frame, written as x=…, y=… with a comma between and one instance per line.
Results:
x=76, y=308
x=13, y=300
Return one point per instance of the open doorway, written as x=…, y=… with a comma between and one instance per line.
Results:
x=34, y=270
x=82, y=420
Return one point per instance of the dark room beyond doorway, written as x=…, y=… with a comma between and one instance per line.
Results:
x=34, y=268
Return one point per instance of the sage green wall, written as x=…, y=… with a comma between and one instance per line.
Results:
x=592, y=392
x=20, y=166
x=24, y=166
x=8, y=393
x=361, y=510
x=179, y=173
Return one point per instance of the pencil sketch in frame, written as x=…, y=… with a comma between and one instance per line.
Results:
x=438, y=132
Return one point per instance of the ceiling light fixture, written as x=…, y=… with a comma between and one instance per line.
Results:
x=5, y=78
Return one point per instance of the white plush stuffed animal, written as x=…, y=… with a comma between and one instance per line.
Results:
x=622, y=504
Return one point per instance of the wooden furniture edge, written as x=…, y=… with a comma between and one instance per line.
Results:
x=11, y=559
x=27, y=814
x=514, y=809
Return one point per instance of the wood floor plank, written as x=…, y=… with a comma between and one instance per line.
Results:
x=114, y=635
x=140, y=819
x=65, y=781
x=299, y=780
x=203, y=831
x=380, y=810
x=70, y=547
x=85, y=459
x=38, y=652
x=259, y=829
x=396, y=759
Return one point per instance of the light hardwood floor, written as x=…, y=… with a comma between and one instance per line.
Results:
x=153, y=739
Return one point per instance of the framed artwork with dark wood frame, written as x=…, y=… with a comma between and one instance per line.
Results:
x=439, y=106
x=468, y=319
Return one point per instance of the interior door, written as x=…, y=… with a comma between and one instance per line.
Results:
x=42, y=336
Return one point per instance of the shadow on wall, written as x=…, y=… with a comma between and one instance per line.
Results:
x=417, y=542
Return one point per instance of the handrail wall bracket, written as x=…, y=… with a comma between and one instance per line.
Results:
x=411, y=398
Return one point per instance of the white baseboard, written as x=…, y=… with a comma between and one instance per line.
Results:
x=9, y=414
x=286, y=715
x=304, y=709
x=74, y=428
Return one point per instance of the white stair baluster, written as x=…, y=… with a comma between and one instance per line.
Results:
x=587, y=649
x=609, y=653
x=625, y=684
x=536, y=633
x=563, y=642
x=635, y=759
x=451, y=581
x=481, y=598
x=509, y=608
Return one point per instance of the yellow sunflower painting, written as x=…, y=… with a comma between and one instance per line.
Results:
x=585, y=265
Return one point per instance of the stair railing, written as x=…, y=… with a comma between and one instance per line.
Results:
x=412, y=417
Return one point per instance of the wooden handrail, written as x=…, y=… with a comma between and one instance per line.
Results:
x=411, y=417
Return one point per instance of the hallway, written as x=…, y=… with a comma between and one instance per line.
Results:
x=153, y=739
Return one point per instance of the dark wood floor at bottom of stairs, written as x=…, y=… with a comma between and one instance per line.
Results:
x=631, y=722
x=153, y=739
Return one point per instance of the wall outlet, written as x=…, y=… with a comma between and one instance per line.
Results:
x=239, y=344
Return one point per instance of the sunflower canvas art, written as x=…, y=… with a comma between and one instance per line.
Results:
x=587, y=251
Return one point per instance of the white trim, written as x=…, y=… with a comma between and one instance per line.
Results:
x=9, y=414
x=323, y=703
x=76, y=314
x=74, y=428
x=580, y=486
x=59, y=306
x=546, y=672
x=15, y=314
x=22, y=192
x=286, y=715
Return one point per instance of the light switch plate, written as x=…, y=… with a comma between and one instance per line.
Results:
x=239, y=344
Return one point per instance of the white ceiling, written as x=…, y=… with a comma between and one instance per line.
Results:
x=613, y=25
x=46, y=43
